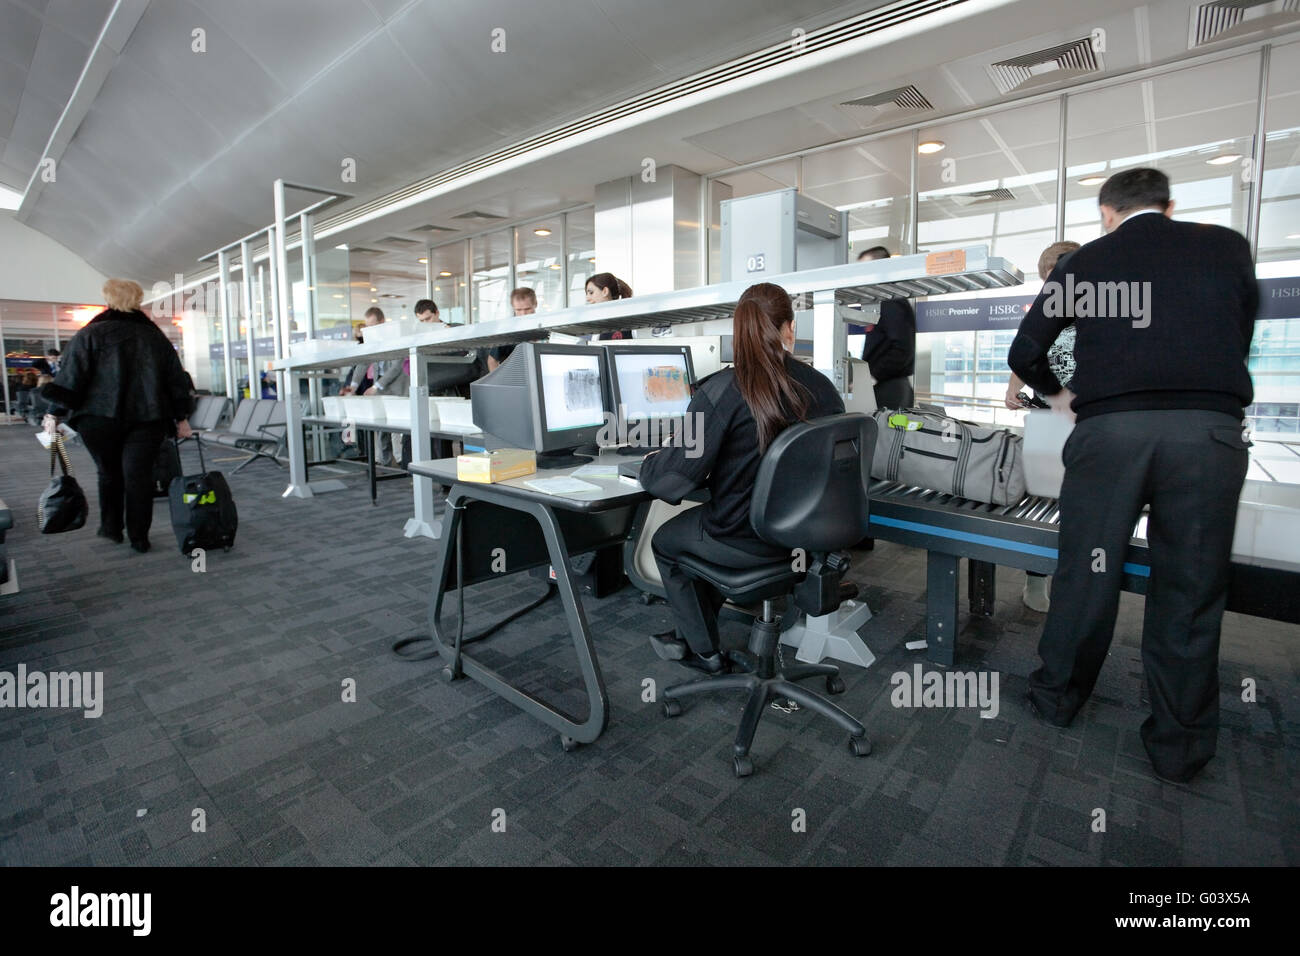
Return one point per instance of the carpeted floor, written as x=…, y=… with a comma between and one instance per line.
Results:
x=225, y=737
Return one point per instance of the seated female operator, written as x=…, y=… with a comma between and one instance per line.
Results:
x=739, y=411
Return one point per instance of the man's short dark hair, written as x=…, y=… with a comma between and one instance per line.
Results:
x=875, y=252
x=1143, y=188
x=426, y=305
x=523, y=292
x=376, y=312
x=54, y=352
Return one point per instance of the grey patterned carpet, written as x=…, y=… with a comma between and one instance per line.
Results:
x=223, y=705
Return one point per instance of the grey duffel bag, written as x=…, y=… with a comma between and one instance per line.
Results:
x=921, y=448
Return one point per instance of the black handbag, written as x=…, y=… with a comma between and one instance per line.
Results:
x=63, y=504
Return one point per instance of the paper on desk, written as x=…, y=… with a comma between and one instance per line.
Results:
x=561, y=486
x=596, y=470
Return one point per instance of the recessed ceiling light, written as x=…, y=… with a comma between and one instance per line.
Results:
x=343, y=246
x=592, y=259
x=930, y=146
x=1294, y=235
x=338, y=295
x=462, y=285
x=422, y=260
x=541, y=232
x=1092, y=180
x=1223, y=159
x=437, y=288
x=373, y=289
x=374, y=300
x=554, y=265
x=444, y=273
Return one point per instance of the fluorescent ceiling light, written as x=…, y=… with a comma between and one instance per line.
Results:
x=541, y=232
x=1092, y=180
x=931, y=146
x=1223, y=160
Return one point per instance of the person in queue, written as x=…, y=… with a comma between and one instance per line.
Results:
x=890, y=346
x=122, y=387
x=1159, y=389
x=606, y=287
x=742, y=409
x=1061, y=358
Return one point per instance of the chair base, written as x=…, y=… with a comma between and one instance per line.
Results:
x=767, y=681
x=833, y=635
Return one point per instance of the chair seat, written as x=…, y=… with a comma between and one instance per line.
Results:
x=744, y=585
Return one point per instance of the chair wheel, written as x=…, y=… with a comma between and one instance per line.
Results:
x=860, y=746
x=743, y=766
x=568, y=743
x=834, y=684
x=448, y=674
x=672, y=708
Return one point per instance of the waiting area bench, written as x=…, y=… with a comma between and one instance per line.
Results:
x=8, y=573
x=259, y=427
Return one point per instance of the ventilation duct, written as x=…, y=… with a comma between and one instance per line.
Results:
x=1233, y=19
x=904, y=99
x=1064, y=62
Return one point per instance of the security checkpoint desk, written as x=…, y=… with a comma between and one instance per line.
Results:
x=486, y=517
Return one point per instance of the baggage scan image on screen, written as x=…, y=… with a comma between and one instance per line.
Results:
x=571, y=396
x=651, y=382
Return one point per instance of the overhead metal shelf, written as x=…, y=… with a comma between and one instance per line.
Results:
x=966, y=269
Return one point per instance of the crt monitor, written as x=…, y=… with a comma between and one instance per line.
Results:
x=652, y=382
x=549, y=398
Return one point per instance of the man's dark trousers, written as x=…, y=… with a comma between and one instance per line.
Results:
x=1188, y=465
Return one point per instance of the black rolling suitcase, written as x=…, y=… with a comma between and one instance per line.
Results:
x=203, y=510
x=166, y=466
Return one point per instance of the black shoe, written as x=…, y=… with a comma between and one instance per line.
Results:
x=1034, y=709
x=668, y=646
x=105, y=533
x=715, y=663
x=141, y=546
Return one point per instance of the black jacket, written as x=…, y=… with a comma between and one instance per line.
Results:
x=121, y=366
x=890, y=347
x=1181, y=343
x=725, y=455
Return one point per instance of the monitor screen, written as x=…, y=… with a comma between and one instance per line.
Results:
x=651, y=382
x=571, y=390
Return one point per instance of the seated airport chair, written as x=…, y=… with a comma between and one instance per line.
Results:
x=811, y=493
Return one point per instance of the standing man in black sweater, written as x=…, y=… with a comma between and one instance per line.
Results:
x=1165, y=312
x=890, y=346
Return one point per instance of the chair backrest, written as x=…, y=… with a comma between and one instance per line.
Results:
x=239, y=424
x=812, y=487
x=207, y=415
x=277, y=416
x=261, y=415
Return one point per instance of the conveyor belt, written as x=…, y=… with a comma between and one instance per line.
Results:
x=1024, y=535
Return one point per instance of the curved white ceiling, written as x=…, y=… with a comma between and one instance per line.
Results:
x=176, y=154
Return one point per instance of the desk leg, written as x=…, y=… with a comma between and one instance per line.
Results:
x=571, y=728
x=941, y=607
x=981, y=587
x=370, y=466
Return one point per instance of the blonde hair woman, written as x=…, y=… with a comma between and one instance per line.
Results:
x=121, y=385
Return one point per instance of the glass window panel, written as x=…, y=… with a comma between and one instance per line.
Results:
x=872, y=181
x=449, y=288
x=581, y=252
x=539, y=263
x=490, y=276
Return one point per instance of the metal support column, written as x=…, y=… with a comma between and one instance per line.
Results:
x=288, y=388
x=308, y=250
x=223, y=270
x=1061, y=169
x=423, y=522
x=830, y=339
x=1261, y=135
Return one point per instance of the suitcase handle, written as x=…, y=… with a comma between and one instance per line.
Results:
x=198, y=442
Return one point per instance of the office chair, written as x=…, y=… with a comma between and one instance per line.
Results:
x=811, y=493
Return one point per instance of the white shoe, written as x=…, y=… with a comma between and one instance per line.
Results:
x=1035, y=594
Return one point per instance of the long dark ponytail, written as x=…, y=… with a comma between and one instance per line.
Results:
x=767, y=388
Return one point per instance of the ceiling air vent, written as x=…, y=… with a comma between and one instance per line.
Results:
x=1001, y=194
x=904, y=99
x=1067, y=61
x=475, y=214
x=434, y=229
x=402, y=241
x=365, y=251
x=1231, y=19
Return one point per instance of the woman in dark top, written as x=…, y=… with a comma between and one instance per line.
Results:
x=126, y=391
x=739, y=412
x=606, y=287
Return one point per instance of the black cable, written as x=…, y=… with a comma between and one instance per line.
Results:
x=461, y=639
